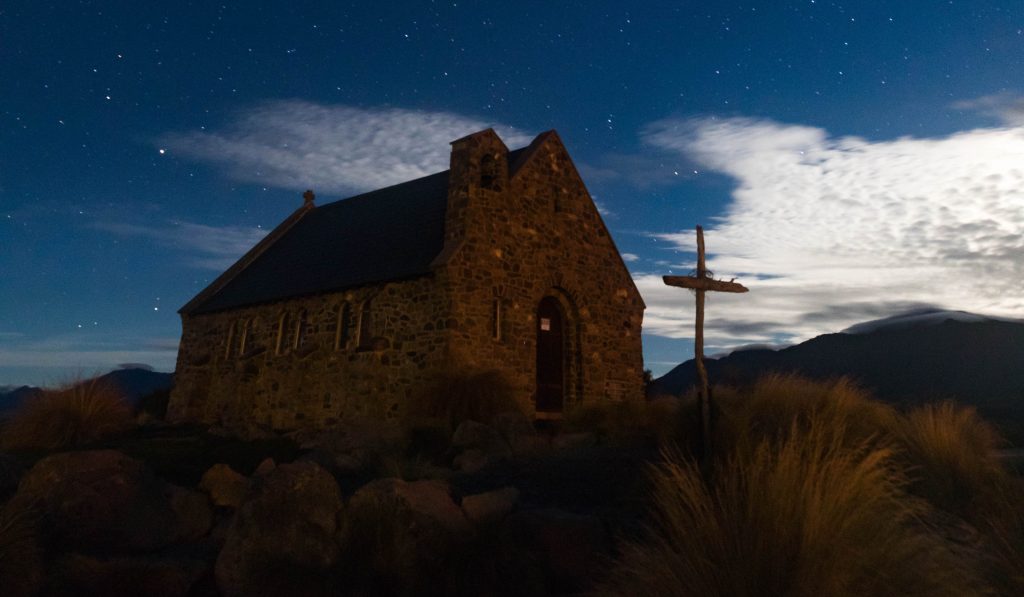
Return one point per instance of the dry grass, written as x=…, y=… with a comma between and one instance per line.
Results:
x=776, y=404
x=812, y=513
x=77, y=414
x=951, y=454
x=664, y=420
x=454, y=397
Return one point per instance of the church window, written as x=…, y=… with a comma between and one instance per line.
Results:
x=299, y=339
x=344, y=325
x=490, y=175
x=244, y=337
x=282, y=329
x=496, y=319
x=366, y=325
x=229, y=340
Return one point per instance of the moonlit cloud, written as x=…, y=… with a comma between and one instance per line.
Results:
x=828, y=231
x=296, y=144
x=1006, y=107
x=206, y=247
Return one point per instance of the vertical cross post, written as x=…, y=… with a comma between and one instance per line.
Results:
x=702, y=283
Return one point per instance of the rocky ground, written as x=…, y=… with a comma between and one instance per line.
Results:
x=358, y=509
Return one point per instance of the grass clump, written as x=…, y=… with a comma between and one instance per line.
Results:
x=457, y=396
x=77, y=414
x=952, y=456
x=663, y=420
x=811, y=513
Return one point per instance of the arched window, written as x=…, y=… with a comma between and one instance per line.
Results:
x=244, y=336
x=343, y=327
x=366, y=325
x=229, y=340
x=490, y=172
x=282, y=328
x=300, y=330
x=496, y=319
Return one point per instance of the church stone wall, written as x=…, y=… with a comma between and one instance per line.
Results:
x=533, y=235
x=324, y=376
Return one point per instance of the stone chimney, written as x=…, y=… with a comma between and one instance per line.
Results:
x=478, y=177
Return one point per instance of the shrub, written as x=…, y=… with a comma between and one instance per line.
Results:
x=951, y=454
x=664, y=420
x=75, y=415
x=454, y=397
x=804, y=514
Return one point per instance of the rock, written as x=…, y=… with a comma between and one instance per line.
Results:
x=11, y=471
x=78, y=574
x=225, y=487
x=574, y=441
x=470, y=461
x=282, y=540
x=100, y=500
x=514, y=426
x=428, y=500
x=491, y=506
x=265, y=467
x=192, y=511
x=21, y=552
x=573, y=549
x=403, y=538
x=487, y=439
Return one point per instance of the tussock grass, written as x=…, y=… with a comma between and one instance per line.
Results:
x=77, y=414
x=811, y=513
x=454, y=397
x=664, y=420
x=951, y=453
x=778, y=404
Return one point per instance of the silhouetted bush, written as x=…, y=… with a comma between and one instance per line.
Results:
x=78, y=414
x=663, y=420
x=454, y=397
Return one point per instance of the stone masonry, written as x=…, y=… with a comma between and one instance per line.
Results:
x=514, y=233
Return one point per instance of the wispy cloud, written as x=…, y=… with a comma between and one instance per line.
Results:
x=297, y=144
x=50, y=360
x=829, y=231
x=630, y=257
x=206, y=247
x=1006, y=107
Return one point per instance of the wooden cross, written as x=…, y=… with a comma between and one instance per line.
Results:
x=702, y=283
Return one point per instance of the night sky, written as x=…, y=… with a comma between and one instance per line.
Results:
x=849, y=160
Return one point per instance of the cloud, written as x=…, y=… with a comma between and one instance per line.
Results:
x=296, y=144
x=828, y=231
x=630, y=257
x=209, y=247
x=1006, y=107
x=50, y=360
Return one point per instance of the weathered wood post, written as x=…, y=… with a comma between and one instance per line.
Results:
x=701, y=283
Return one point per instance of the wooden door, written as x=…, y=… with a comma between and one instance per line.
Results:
x=550, y=356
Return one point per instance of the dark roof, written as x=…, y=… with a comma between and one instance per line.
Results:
x=388, y=234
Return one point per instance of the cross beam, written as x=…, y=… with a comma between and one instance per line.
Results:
x=703, y=283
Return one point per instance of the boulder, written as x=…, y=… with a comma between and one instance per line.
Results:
x=100, y=500
x=470, y=461
x=402, y=538
x=225, y=487
x=192, y=511
x=78, y=574
x=265, y=466
x=282, y=539
x=21, y=552
x=491, y=506
x=572, y=549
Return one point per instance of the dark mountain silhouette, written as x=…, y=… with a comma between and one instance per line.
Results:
x=133, y=383
x=911, y=359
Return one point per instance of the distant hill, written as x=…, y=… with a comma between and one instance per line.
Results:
x=134, y=383
x=911, y=359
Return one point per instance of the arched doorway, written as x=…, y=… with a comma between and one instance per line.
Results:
x=550, y=357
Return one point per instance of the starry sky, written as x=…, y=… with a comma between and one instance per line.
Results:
x=849, y=160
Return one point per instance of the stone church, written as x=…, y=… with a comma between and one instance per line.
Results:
x=500, y=263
